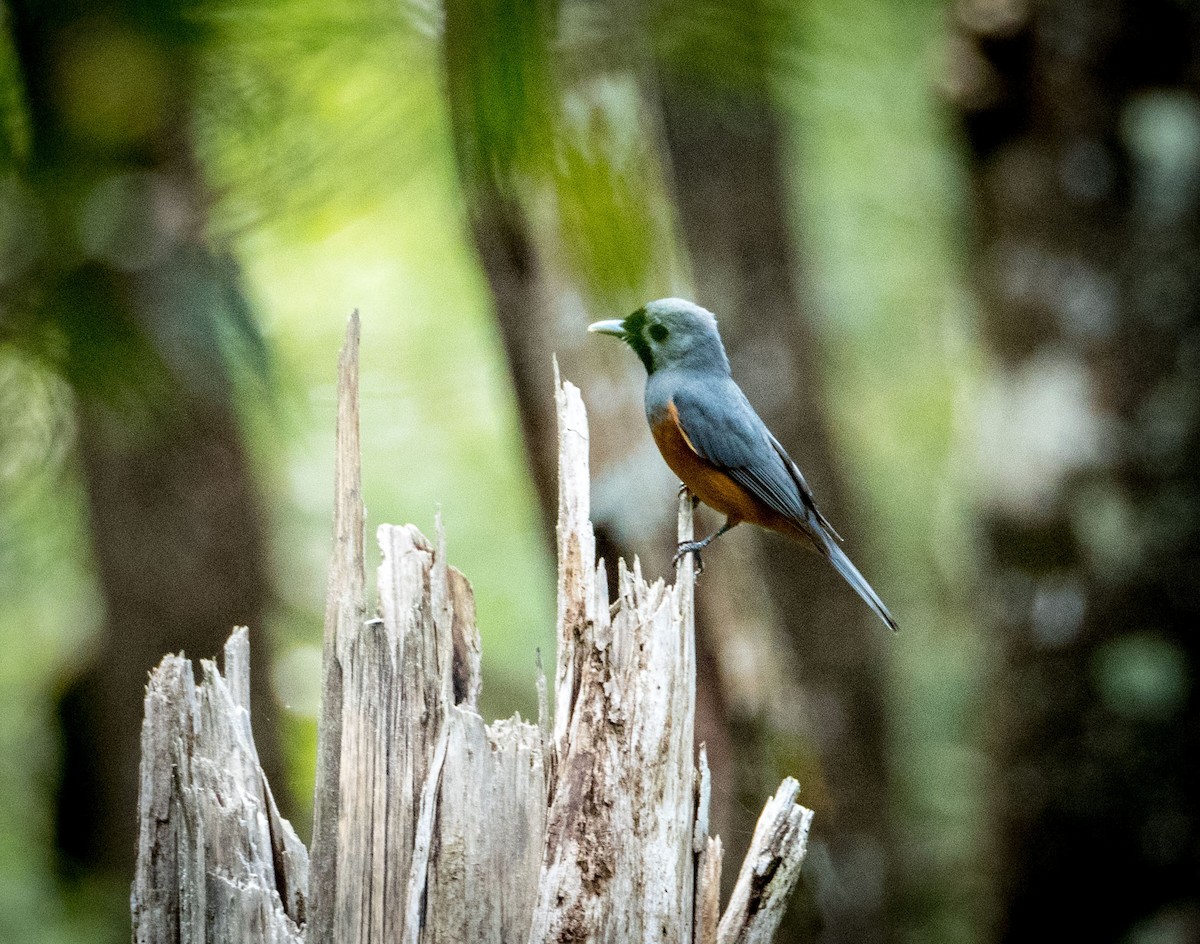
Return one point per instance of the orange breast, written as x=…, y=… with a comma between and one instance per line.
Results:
x=705, y=480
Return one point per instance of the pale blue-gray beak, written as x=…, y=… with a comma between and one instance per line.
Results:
x=615, y=328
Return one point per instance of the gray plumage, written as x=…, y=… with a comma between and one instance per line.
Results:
x=687, y=372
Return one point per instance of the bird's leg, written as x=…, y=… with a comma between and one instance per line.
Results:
x=695, y=547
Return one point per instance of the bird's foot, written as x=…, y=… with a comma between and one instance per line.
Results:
x=694, y=548
x=683, y=489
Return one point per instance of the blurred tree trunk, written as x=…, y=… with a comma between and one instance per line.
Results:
x=726, y=150
x=540, y=316
x=120, y=293
x=1083, y=122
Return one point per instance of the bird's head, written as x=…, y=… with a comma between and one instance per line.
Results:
x=670, y=332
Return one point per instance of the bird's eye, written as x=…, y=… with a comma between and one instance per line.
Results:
x=658, y=333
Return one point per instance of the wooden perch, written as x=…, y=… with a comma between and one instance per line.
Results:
x=430, y=826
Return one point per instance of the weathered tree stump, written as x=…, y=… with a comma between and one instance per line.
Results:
x=430, y=826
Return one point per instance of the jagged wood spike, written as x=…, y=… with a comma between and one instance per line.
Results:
x=216, y=862
x=769, y=871
x=345, y=610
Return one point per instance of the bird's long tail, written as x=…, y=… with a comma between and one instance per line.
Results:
x=846, y=568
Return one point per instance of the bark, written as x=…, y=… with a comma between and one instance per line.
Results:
x=1088, y=232
x=619, y=863
x=121, y=294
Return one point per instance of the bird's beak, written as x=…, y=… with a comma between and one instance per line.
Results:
x=615, y=328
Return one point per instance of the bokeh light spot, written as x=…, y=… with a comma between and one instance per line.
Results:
x=1161, y=129
x=1142, y=676
x=1056, y=612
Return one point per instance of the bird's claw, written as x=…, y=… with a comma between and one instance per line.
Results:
x=684, y=490
x=693, y=548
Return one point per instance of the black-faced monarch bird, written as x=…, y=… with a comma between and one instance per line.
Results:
x=710, y=436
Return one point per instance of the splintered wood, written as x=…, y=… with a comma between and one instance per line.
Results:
x=430, y=826
x=618, y=862
x=216, y=861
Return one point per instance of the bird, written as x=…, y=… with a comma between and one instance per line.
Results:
x=712, y=438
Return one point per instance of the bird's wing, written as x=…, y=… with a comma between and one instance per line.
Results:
x=806, y=494
x=723, y=428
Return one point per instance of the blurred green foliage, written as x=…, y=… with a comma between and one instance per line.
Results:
x=324, y=137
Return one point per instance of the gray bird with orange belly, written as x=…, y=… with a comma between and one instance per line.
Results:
x=710, y=436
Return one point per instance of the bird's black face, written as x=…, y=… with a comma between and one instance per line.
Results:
x=667, y=333
x=643, y=335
